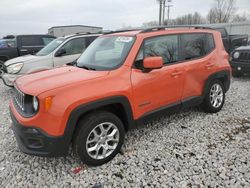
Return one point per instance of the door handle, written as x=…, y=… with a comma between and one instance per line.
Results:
x=23, y=50
x=209, y=65
x=176, y=73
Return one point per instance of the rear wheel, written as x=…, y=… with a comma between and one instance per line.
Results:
x=214, y=97
x=99, y=138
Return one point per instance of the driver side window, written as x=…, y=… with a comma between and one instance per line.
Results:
x=164, y=46
x=74, y=46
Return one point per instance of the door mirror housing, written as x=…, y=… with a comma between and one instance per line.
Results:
x=60, y=52
x=150, y=63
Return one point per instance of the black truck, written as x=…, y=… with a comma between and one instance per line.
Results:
x=232, y=42
x=13, y=46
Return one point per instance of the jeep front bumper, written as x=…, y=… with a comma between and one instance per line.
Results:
x=33, y=141
x=243, y=67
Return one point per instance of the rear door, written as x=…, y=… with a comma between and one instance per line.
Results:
x=74, y=48
x=198, y=56
x=29, y=44
x=161, y=87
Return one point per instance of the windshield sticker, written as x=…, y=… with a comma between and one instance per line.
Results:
x=124, y=39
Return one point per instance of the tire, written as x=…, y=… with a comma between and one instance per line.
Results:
x=1, y=66
x=209, y=104
x=237, y=74
x=89, y=129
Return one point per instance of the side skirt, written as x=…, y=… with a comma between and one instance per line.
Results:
x=168, y=110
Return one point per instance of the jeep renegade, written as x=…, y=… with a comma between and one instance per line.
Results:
x=121, y=80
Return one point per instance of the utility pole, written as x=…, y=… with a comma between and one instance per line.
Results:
x=168, y=9
x=161, y=11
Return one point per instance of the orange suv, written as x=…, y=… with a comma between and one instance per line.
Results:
x=121, y=80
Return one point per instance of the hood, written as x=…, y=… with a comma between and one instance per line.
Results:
x=24, y=59
x=243, y=48
x=37, y=83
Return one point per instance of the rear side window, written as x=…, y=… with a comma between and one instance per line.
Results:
x=210, y=45
x=193, y=45
x=91, y=39
x=75, y=46
x=31, y=41
x=164, y=46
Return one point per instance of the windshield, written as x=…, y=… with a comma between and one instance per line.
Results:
x=7, y=43
x=50, y=47
x=106, y=53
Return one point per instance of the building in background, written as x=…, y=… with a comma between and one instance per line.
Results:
x=239, y=28
x=61, y=31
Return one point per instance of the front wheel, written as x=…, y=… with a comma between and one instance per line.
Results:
x=214, y=97
x=99, y=138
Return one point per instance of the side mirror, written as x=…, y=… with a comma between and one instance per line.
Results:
x=60, y=52
x=150, y=63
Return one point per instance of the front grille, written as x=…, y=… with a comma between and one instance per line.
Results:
x=19, y=98
x=244, y=56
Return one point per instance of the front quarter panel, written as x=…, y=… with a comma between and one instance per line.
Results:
x=68, y=98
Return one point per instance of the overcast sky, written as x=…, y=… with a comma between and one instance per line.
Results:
x=36, y=16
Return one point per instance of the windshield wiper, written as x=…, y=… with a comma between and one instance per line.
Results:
x=85, y=67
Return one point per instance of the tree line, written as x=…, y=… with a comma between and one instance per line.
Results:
x=222, y=11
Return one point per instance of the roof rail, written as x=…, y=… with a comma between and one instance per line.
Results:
x=87, y=33
x=158, y=28
x=122, y=30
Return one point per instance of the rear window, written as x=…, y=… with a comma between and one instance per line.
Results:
x=31, y=41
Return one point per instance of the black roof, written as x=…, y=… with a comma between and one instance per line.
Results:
x=75, y=26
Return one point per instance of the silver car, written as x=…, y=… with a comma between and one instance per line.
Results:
x=59, y=52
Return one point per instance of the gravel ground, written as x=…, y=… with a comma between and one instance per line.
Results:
x=188, y=149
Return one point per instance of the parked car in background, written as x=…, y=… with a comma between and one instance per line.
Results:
x=232, y=42
x=240, y=61
x=123, y=79
x=13, y=46
x=59, y=52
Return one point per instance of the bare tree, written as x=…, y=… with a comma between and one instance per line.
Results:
x=222, y=11
x=150, y=24
x=240, y=18
x=188, y=19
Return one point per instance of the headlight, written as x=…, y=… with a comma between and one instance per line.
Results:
x=35, y=103
x=236, y=55
x=15, y=68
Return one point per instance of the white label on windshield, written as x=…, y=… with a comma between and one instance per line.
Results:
x=124, y=39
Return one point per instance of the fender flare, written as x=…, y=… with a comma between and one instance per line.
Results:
x=218, y=75
x=4, y=58
x=79, y=111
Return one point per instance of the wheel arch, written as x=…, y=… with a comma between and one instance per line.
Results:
x=223, y=76
x=4, y=58
x=119, y=105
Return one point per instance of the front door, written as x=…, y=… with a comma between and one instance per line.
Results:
x=73, y=49
x=158, y=88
